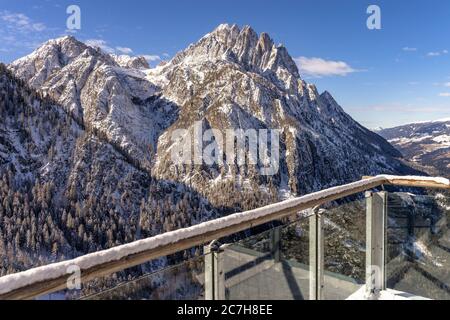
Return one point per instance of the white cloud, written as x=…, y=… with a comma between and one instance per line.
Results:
x=19, y=32
x=102, y=44
x=20, y=22
x=124, y=50
x=447, y=84
x=9, y=38
x=409, y=49
x=151, y=57
x=403, y=108
x=436, y=53
x=318, y=67
x=444, y=94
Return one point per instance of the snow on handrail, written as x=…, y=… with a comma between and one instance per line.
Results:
x=40, y=275
x=435, y=182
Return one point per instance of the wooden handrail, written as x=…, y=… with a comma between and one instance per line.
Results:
x=43, y=280
x=414, y=182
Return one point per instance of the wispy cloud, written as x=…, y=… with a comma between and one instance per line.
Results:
x=21, y=22
x=318, y=67
x=103, y=45
x=436, y=53
x=403, y=108
x=409, y=49
x=124, y=50
x=100, y=43
x=441, y=84
x=152, y=57
x=19, y=32
x=444, y=94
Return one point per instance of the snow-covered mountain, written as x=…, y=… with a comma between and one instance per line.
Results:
x=231, y=78
x=66, y=191
x=106, y=93
x=425, y=143
x=93, y=140
x=235, y=78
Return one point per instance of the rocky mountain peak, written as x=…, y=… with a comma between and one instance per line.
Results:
x=327, y=96
x=228, y=35
x=329, y=100
x=68, y=48
x=265, y=42
x=50, y=57
x=125, y=61
x=104, y=133
x=228, y=45
x=231, y=78
x=225, y=34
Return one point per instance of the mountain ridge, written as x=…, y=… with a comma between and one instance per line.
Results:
x=87, y=145
x=108, y=177
x=424, y=143
x=232, y=77
x=66, y=191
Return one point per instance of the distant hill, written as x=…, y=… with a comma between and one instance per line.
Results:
x=424, y=143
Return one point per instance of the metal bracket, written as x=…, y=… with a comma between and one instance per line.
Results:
x=214, y=271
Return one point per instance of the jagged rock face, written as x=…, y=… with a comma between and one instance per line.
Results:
x=231, y=78
x=131, y=62
x=40, y=141
x=426, y=144
x=35, y=136
x=89, y=148
x=66, y=191
x=242, y=49
x=48, y=59
x=105, y=93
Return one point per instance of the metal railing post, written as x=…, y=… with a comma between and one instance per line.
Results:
x=316, y=255
x=209, y=273
x=275, y=245
x=214, y=272
x=376, y=215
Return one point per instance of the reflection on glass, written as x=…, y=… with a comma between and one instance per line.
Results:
x=272, y=265
x=345, y=241
x=418, y=244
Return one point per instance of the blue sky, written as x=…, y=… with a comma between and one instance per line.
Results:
x=386, y=77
